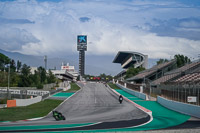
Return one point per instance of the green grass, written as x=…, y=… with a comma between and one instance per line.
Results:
x=113, y=86
x=74, y=88
x=32, y=111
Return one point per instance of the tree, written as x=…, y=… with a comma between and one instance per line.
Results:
x=25, y=80
x=4, y=60
x=181, y=60
x=19, y=65
x=51, y=78
x=42, y=73
x=12, y=66
x=162, y=61
x=103, y=76
x=35, y=78
x=133, y=71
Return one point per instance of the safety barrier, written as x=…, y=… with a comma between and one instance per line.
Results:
x=25, y=102
x=135, y=93
x=184, y=108
x=11, y=103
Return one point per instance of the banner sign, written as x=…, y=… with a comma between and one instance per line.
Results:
x=28, y=92
x=82, y=42
x=192, y=99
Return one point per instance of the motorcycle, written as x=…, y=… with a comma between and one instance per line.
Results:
x=58, y=116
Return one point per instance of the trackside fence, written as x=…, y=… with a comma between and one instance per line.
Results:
x=135, y=93
x=135, y=87
x=181, y=92
x=147, y=88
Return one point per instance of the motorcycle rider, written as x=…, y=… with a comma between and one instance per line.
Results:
x=58, y=116
x=120, y=99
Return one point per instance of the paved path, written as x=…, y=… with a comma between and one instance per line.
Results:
x=92, y=104
x=96, y=103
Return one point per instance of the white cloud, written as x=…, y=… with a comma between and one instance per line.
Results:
x=109, y=27
x=15, y=38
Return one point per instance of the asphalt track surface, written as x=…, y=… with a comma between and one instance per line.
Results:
x=94, y=103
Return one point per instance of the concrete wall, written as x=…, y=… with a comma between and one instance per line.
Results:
x=184, y=108
x=25, y=102
x=25, y=92
x=45, y=87
x=65, y=85
x=20, y=88
x=49, y=86
x=135, y=93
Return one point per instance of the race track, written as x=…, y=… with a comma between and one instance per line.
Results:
x=94, y=103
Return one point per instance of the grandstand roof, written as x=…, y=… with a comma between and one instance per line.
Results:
x=129, y=58
x=149, y=72
x=121, y=55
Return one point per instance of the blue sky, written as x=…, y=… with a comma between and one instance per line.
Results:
x=158, y=28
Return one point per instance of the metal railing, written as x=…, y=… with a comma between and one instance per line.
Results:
x=181, y=92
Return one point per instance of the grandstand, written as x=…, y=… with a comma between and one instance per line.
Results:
x=121, y=75
x=178, y=73
x=153, y=73
x=63, y=75
x=128, y=59
x=193, y=77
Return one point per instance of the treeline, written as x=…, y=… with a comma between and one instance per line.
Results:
x=21, y=76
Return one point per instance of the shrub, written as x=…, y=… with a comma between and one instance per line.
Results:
x=40, y=86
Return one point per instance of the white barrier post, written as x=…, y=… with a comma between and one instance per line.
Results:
x=141, y=89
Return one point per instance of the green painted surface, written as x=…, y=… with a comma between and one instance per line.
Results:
x=44, y=126
x=63, y=94
x=127, y=95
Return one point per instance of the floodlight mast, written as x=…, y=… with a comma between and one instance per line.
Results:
x=45, y=62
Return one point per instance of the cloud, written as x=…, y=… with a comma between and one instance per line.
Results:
x=185, y=28
x=15, y=21
x=159, y=29
x=13, y=39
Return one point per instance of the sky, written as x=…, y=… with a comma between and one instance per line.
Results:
x=158, y=28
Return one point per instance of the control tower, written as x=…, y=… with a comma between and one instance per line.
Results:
x=82, y=47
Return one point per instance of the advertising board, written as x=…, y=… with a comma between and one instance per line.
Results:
x=192, y=99
x=82, y=42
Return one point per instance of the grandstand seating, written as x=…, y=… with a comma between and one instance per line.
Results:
x=151, y=71
x=193, y=77
x=165, y=78
x=188, y=68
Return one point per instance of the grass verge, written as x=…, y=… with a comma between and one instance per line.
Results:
x=32, y=111
x=74, y=88
x=113, y=86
